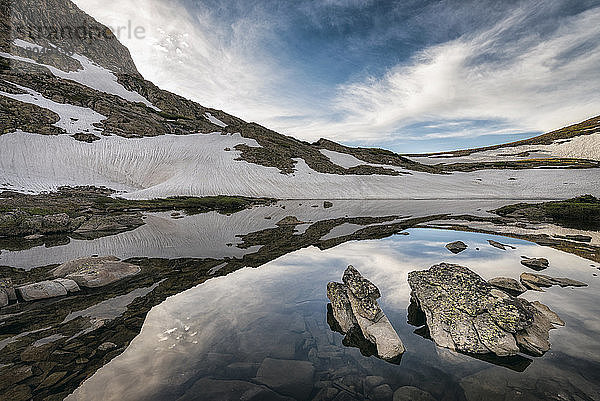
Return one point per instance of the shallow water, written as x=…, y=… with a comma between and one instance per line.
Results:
x=225, y=328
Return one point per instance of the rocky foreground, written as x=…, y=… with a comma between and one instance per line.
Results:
x=463, y=312
x=356, y=311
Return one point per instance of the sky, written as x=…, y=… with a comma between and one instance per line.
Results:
x=410, y=76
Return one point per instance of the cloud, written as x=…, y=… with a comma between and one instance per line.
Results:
x=533, y=67
x=527, y=83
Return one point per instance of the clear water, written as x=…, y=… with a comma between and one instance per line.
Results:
x=225, y=328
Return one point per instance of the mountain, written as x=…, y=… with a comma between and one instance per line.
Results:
x=75, y=111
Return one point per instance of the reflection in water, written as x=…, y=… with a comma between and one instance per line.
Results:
x=243, y=331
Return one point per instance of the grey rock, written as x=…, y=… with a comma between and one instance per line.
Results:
x=509, y=285
x=372, y=382
x=70, y=285
x=6, y=284
x=3, y=298
x=358, y=285
x=107, y=346
x=410, y=393
x=499, y=245
x=464, y=312
x=382, y=392
x=289, y=221
x=356, y=311
x=327, y=204
x=536, y=281
x=535, y=338
x=535, y=263
x=288, y=377
x=456, y=246
x=550, y=315
x=96, y=271
x=42, y=290
x=241, y=370
x=342, y=310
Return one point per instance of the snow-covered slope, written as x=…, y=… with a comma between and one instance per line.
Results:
x=205, y=164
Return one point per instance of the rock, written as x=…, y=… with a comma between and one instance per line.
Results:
x=510, y=285
x=536, y=281
x=241, y=370
x=358, y=285
x=33, y=237
x=6, y=284
x=207, y=389
x=342, y=310
x=456, y=246
x=10, y=376
x=3, y=298
x=535, y=263
x=499, y=245
x=289, y=221
x=372, y=382
x=358, y=316
x=550, y=315
x=51, y=379
x=82, y=263
x=41, y=290
x=382, y=392
x=327, y=204
x=578, y=238
x=410, y=393
x=106, y=346
x=70, y=285
x=535, y=338
x=464, y=312
x=96, y=271
x=287, y=377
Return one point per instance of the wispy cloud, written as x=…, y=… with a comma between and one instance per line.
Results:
x=532, y=68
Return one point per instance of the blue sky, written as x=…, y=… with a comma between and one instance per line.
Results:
x=410, y=76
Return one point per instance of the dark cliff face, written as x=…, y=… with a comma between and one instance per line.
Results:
x=61, y=23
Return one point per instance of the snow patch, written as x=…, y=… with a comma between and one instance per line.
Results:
x=215, y=120
x=92, y=75
x=73, y=119
x=198, y=165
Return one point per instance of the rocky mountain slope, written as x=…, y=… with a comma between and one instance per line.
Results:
x=74, y=111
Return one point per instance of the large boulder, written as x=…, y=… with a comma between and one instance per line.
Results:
x=95, y=272
x=358, y=315
x=466, y=313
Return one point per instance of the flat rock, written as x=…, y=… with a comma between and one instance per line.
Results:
x=536, y=281
x=456, y=246
x=510, y=285
x=464, y=312
x=358, y=285
x=287, y=377
x=96, y=271
x=499, y=245
x=410, y=393
x=70, y=285
x=535, y=263
x=42, y=290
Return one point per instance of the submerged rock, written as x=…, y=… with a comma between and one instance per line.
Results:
x=456, y=246
x=510, y=285
x=535, y=281
x=463, y=312
x=358, y=315
x=287, y=377
x=42, y=290
x=95, y=272
x=535, y=263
